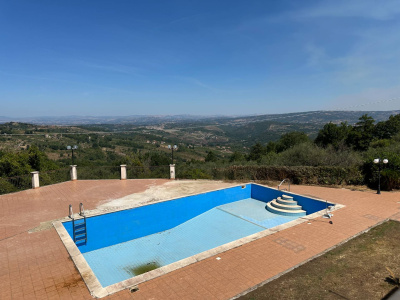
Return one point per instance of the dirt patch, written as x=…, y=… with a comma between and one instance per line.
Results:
x=355, y=270
x=43, y=226
x=169, y=190
x=143, y=268
x=72, y=281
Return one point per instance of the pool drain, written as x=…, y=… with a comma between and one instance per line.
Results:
x=133, y=289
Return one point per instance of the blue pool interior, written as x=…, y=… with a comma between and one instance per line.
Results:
x=166, y=232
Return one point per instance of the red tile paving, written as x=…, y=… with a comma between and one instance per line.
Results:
x=37, y=266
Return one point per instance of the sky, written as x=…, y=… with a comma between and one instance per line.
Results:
x=119, y=58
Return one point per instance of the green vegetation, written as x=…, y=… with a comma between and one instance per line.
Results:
x=339, y=154
x=364, y=268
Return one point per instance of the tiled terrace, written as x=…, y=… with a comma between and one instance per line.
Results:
x=36, y=265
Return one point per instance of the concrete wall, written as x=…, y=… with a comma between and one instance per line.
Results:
x=113, y=228
x=122, y=226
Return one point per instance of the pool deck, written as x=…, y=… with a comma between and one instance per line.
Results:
x=34, y=263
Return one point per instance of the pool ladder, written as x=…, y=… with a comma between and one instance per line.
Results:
x=79, y=229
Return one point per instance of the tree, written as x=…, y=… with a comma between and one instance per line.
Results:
x=388, y=129
x=157, y=159
x=291, y=139
x=236, y=156
x=256, y=152
x=14, y=164
x=332, y=134
x=211, y=157
x=272, y=147
x=362, y=134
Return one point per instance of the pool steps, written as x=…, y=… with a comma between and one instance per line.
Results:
x=285, y=206
x=286, y=202
x=276, y=204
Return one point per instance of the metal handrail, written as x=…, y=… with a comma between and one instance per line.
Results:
x=71, y=214
x=288, y=181
x=81, y=211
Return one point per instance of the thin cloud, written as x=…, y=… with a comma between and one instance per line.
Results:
x=316, y=55
x=368, y=99
x=197, y=82
x=116, y=68
x=370, y=9
x=56, y=79
x=364, y=9
x=373, y=57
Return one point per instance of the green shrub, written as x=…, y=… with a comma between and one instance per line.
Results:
x=196, y=174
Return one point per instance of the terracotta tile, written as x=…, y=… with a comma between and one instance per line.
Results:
x=38, y=262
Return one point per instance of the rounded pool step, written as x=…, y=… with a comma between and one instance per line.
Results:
x=286, y=202
x=286, y=197
x=276, y=204
x=285, y=212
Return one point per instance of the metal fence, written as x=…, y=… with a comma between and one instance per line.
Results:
x=54, y=176
x=24, y=182
x=142, y=172
x=15, y=184
x=114, y=172
x=99, y=172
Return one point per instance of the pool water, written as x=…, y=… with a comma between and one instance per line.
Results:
x=218, y=226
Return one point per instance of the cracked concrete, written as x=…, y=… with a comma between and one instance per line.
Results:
x=156, y=193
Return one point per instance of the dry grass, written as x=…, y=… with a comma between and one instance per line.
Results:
x=355, y=270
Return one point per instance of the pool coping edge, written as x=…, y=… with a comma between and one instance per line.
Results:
x=98, y=291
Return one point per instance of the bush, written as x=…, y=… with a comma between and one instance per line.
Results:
x=307, y=154
x=390, y=173
x=196, y=174
x=297, y=174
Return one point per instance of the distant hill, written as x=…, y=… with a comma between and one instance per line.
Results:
x=194, y=134
x=311, y=117
x=89, y=120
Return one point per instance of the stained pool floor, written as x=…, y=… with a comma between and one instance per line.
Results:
x=218, y=226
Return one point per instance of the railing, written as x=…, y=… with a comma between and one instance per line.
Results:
x=70, y=212
x=144, y=172
x=283, y=181
x=15, y=184
x=99, y=172
x=54, y=176
x=81, y=210
x=24, y=182
x=114, y=172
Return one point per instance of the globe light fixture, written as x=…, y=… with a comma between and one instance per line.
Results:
x=72, y=148
x=172, y=148
x=379, y=162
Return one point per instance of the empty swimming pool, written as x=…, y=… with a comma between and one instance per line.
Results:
x=127, y=243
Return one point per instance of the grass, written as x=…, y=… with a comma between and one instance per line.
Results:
x=143, y=268
x=359, y=269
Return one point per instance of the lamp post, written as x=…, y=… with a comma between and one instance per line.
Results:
x=72, y=148
x=172, y=148
x=379, y=161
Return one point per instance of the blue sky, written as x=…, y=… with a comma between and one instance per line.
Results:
x=97, y=58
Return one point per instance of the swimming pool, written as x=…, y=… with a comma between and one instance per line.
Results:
x=122, y=245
